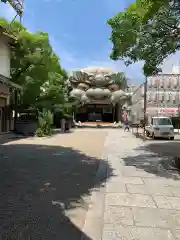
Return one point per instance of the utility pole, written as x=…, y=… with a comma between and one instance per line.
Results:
x=178, y=116
x=145, y=107
x=178, y=101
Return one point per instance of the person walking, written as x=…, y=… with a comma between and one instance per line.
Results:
x=126, y=125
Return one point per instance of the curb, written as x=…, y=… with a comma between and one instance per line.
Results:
x=94, y=217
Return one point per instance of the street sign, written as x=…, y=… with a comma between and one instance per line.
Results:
x=17, y=5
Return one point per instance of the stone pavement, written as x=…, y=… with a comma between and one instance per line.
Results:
x=138, y=202
x=46, y=184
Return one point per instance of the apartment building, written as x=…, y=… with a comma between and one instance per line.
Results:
x=163, y=97
x=137, y=107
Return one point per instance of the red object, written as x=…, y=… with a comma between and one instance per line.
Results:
x=124, y=116
x=168, y=110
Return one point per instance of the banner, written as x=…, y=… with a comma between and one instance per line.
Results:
x=168, y=110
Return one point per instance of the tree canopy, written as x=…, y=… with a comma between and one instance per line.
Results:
x=121, y=79
x=147, y=30
x=36, y=67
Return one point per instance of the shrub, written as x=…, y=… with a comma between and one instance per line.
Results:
x=45, y=121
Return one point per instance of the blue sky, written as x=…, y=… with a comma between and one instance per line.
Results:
x=78, y=32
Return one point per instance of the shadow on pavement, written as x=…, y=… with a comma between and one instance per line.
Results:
x=99, y=127
x=10, y=137
x=164, y=149
x=40, y=187
x=153, y=157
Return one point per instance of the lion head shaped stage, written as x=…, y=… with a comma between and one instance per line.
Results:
x=90, y=85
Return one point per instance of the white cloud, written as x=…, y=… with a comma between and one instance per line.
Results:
x=53, y=1
x=9, y=13
x=115, y=6
x=173, y=59
x=133, y=71
x=72, y=61
x=67, y=58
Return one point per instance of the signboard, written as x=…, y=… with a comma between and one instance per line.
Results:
x=16, y=4
x=168, y=110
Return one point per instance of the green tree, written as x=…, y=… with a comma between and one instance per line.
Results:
x=147, y=31
x=45, y=122
x=35, y=67
x=53, y=91
x=120, y=79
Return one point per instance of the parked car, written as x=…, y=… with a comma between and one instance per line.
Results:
x=160, y=127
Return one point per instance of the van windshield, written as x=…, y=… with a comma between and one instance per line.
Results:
x=162, y=121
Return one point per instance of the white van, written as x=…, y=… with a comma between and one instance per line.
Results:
x=161, y=127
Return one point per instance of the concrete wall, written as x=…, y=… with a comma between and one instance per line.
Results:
x=4, y=57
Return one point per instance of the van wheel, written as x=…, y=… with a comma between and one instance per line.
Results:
x=153, y=136
x=171, y=138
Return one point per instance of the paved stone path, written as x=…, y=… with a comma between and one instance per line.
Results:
x=45, y=184
x=137, y=203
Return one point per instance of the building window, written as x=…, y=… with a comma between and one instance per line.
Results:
x=155, y=97
x=167, y=96
x=162, y=97
x=168, y=82
x=174, y=81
